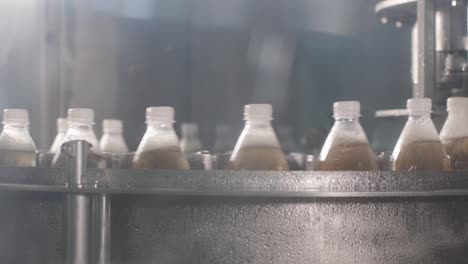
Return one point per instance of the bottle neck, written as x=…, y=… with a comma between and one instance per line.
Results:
x=78, y=130
x=346, y=119
x=419, y=116
x=16, y=126
x=161, y=125
x=258, y=123
x=80, y=125
x=113, y=133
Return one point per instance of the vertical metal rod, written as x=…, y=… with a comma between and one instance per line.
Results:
x=426, y=49
x=77, y=228
x=78, y=206
x=101, y=229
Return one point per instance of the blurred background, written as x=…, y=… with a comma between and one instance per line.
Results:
x=206, y=58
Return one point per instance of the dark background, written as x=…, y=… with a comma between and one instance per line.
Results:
x=207, y=58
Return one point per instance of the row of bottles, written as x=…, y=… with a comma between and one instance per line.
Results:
x=79, y=125
x=419, y=146
x=257, y=148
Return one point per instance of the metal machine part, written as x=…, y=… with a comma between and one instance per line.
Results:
x=439, y=50
x=231, y=216
x=87, y=216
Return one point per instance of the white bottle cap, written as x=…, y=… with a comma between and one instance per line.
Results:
x=160, y=114
x=15, y=116
x=81, y=115
x=258, y=112
x=346, y=109
x=62, y=124
x=112, y=126
x=457, y=103
x=419, y=105
x=189, y=128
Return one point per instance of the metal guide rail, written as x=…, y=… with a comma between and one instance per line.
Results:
x=237, y=183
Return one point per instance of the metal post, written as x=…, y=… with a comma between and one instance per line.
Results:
x=77, y=228
x=87, y=215
x=426, y=49
x=77, y=210
x=101, y=229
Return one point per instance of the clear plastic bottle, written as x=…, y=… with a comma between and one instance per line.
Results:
x=159, y=148
x=286, y=139
x=112, y=141
x=190, y=141
x=224, y=139
x=419, y=147
x=80, y=127
x=62, y=126
x=257, y=147
x=454, y=133
x=347, y=147
x=16, y=145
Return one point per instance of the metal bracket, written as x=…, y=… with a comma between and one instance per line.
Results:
x=426, y=49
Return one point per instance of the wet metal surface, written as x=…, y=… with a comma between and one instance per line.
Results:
x=245, y=217
x=240, y=183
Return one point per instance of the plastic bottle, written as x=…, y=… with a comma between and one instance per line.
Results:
x=190, y=141
x=347, y=147
x=80, y=127
x=62, y=126
x=286, y=139
x=419, y=147
x=16, y=145
x=224, y=139
x=112, y=140
x=454, y=133
x=159, y=148
x=257, y=147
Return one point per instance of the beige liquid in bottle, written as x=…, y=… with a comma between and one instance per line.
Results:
x=259, y=158
x=423, y=156
x=167, y=158
x=350, y=157
x=17, y=158
x=457, y=149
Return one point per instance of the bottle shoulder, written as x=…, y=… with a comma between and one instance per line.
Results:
x=258, y=136
x=113, y=144
x=17, y=140
x=347, y=133
x=418, y=131
x=56, y=143
x=454, y=128
x=154, y=139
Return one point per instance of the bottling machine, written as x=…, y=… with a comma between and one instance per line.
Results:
x=438, y=44
x=78, y=215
